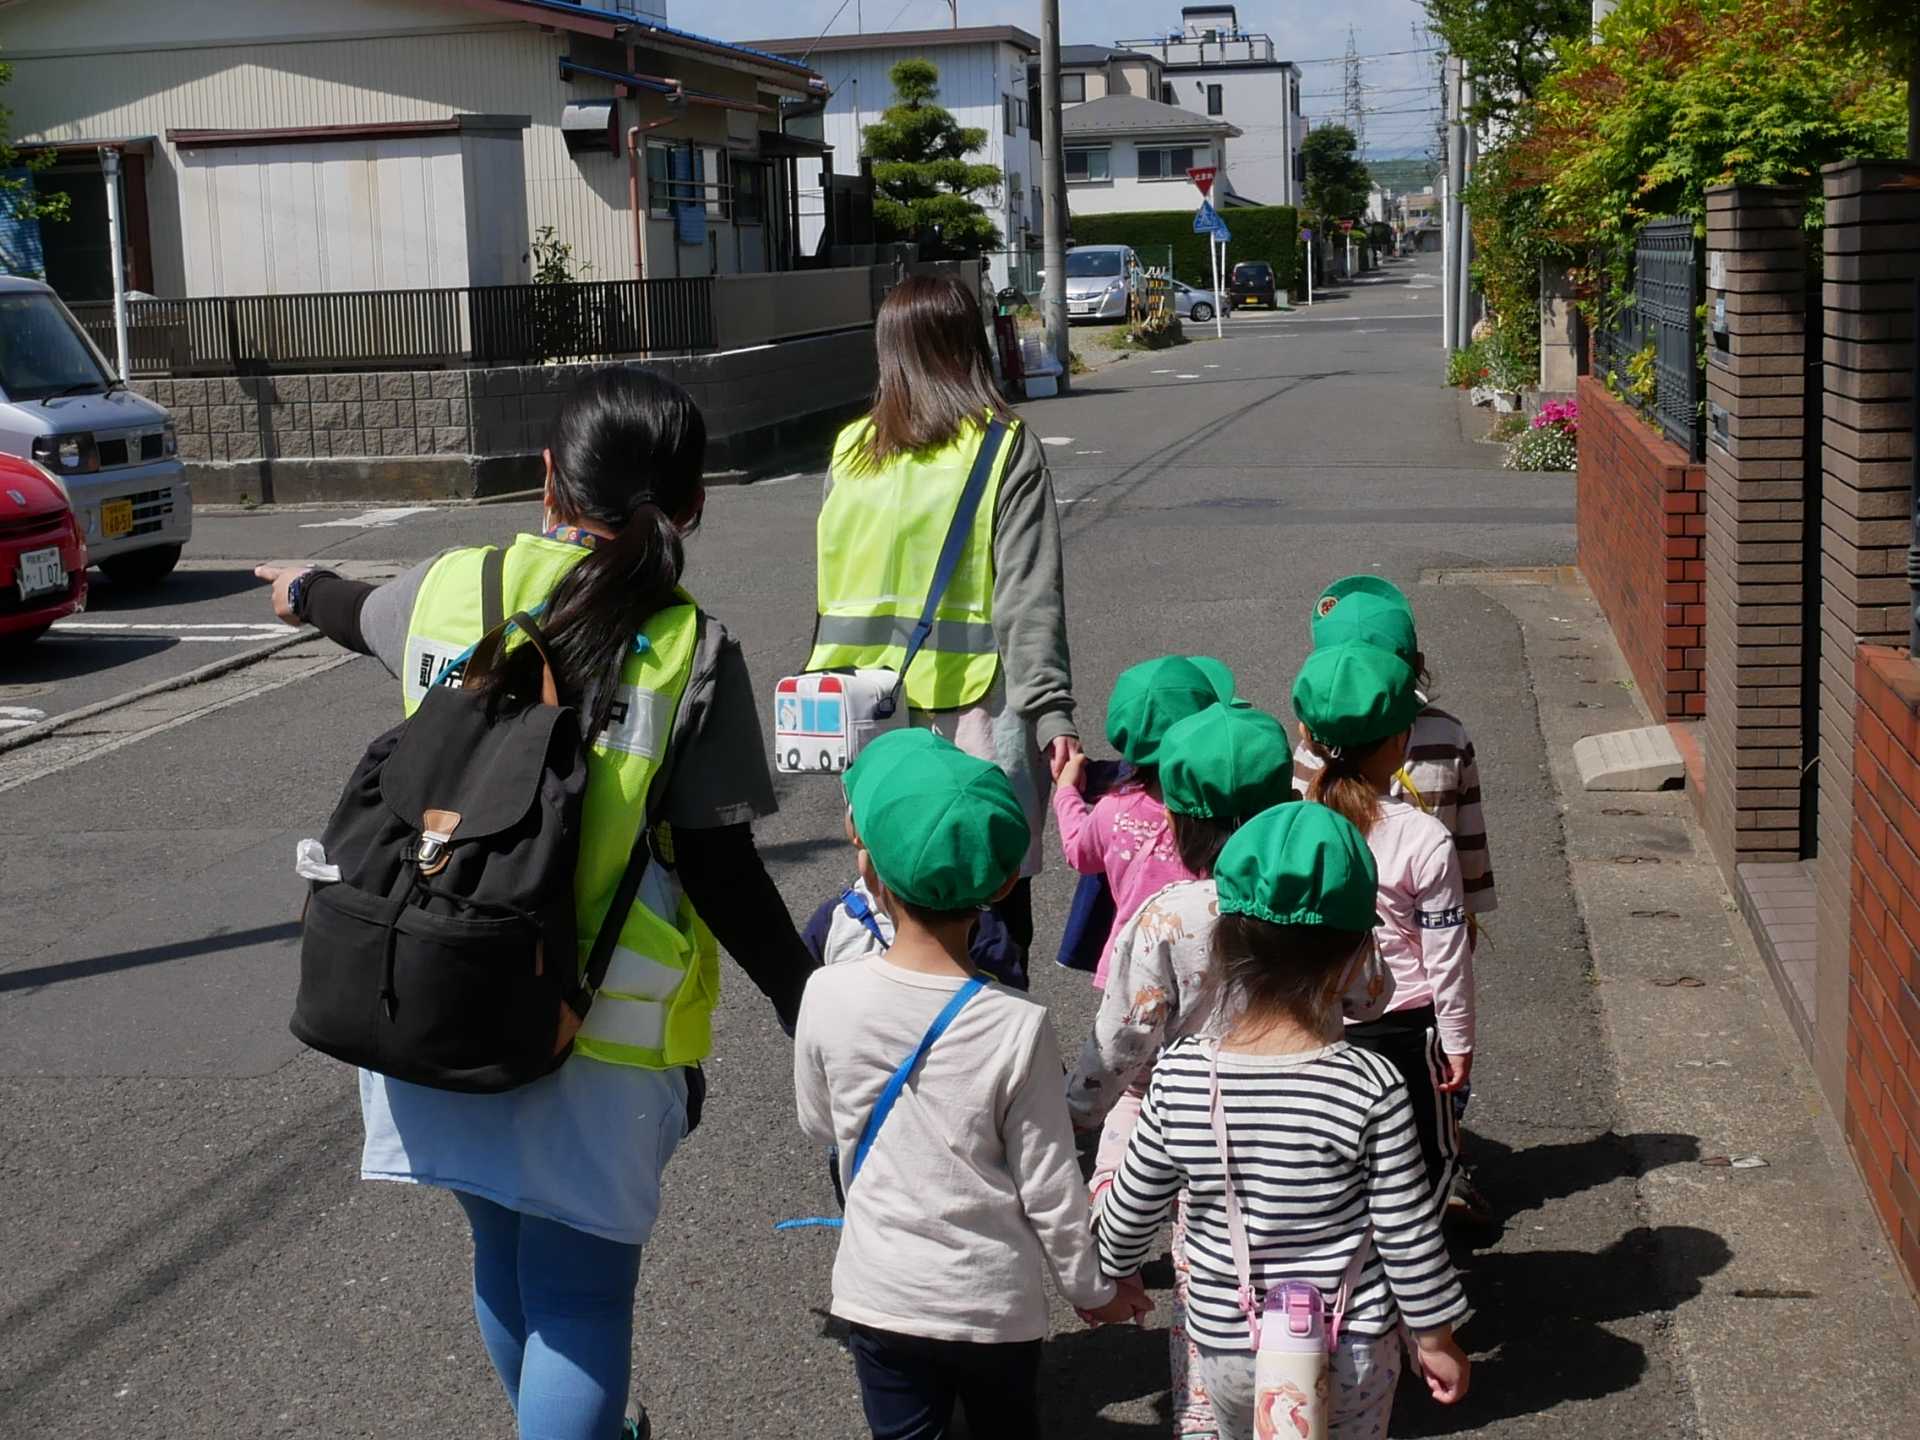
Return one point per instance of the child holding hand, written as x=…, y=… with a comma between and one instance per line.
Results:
x=963, y=1192
x=1125, y=834
x=1324, y=1165
x=1357, y=704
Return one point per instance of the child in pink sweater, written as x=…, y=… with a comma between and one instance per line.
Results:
x=1125, y=834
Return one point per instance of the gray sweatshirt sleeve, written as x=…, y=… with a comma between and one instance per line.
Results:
x=1029, y=594
x=385, y=617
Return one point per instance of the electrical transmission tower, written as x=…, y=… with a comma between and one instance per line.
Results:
x=1356, y=100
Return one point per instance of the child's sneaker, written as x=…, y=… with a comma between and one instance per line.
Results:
x=637, y=1426
x=1465, y=1202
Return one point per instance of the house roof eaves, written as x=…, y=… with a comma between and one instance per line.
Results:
x=900, y=39
x=638, y=29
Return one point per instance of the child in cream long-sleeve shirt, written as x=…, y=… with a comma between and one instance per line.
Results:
x=967, y=1189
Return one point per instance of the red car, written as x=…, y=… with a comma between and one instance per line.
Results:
x=43, y=553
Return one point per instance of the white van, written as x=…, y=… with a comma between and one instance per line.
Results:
x=114, y=451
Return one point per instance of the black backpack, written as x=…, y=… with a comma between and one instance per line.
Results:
x=447, y=951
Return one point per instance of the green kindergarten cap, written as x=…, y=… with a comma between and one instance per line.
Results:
x=1226, y=764
x=1149, y=699
x=1352, y=695
x=1220, y=677
x=943, y=829
x=1371, y=620
x=1299, y=865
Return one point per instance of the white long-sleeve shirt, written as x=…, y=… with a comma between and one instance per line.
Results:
x=971, y=1189
x=1423, y=932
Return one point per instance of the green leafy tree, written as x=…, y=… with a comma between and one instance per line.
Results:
x=1337, y=182
x=1508, y=45
x=18, y=198
x=921, y=173
x=1892, y=28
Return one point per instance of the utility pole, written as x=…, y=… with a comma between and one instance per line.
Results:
x=1053, y=171
x=1469, y=159
x=1456, y=177
x=110, y=170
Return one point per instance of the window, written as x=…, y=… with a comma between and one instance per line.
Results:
x=1006, y=114
x=686, y=174
x=1088, y=166
x=1169, y=162
x=1166, y=92
x=1216, y=102
x=710, y=176
x=1073, y=89
x=749, y=193
x=1020, y=113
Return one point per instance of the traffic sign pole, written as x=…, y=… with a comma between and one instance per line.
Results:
x=1214, y=248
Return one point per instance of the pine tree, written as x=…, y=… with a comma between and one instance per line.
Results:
x=920, y=168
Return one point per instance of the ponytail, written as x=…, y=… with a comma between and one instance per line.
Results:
x=1342, y=787
x=629, y=451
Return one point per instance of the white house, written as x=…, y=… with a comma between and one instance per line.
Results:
x=1214, y=68
x=1124, y=153
x=287, y=146
x=983, y=82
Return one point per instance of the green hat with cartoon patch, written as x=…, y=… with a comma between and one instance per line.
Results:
x=1355, y=695
x=1151, y=698
x=1371, y=618
x=1225, y=764
x=943, y=828
x=1299, y=864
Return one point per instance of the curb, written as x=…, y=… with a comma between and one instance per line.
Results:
x=17, y=739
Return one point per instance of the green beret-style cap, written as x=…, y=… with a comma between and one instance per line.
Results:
x=943, y=828
x=1221, y=677
x=1150, y=698
x=1353, y=694
x=1299, y=864
x=1370, y=619
x=1226, y=764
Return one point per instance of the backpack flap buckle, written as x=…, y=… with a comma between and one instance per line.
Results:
x=436, y=834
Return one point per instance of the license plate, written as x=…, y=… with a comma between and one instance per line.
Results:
x=116, y=519
x=40, y=571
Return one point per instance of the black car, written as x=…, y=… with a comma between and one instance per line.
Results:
x=1252, y=283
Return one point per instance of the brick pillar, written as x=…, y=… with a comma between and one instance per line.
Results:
x=1872, y=249
x=1755, y=521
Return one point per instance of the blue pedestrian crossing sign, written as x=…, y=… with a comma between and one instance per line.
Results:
x=1207, y=221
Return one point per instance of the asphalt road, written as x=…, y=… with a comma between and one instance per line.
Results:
x=190, y=1252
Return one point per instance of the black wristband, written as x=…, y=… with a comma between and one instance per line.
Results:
x=303, y=591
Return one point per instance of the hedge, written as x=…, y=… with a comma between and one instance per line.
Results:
x=1260, y=232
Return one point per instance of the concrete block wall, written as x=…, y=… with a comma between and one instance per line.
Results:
x=1882, y=1058
x=1755, y=526
x=1641, y=525
x=443, y=434
x=1872, y=251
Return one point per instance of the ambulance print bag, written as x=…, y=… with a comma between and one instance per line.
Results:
x=822, y=720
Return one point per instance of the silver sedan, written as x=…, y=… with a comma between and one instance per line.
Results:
x=1196, y=305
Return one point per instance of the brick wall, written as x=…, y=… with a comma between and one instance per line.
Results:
x=1756, y=507
x=1872, y=249
x=1883, y=972
x=1642, y=521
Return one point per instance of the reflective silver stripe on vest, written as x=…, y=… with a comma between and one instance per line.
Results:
x=949, y=637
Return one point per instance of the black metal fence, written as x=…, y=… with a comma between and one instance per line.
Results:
x=1667, y=290
x=411, y=329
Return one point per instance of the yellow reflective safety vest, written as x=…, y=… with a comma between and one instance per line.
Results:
x=655, y=1008
x=878, y=542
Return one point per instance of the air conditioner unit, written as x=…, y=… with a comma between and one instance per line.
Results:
x=591, y=127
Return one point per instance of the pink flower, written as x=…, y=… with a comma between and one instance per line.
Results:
x=1561, y=415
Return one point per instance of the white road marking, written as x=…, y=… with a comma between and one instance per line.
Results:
x=1209, y=367
x=225, y=633
x=1081, y=500
x=18, y=717
x=270, y=626
x=1056, y=439
x=1335, y=319
x=1089, y=452
x=1184, y=375
x=370, y=519
x=1160, y=372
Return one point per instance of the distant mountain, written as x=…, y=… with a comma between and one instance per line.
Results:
x=1402, y=176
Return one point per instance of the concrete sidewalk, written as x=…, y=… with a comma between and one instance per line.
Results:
x=1784, y=1311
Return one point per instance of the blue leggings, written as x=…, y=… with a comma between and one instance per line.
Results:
x=555, y=1307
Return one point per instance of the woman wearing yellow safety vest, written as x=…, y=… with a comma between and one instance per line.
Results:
x=995, y=676
x=560, y=1179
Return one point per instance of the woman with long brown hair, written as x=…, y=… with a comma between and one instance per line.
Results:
x=995, y=676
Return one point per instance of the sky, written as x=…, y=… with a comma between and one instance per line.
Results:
x=1399, y=88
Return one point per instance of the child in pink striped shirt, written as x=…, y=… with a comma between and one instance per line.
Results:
x=1125, y=834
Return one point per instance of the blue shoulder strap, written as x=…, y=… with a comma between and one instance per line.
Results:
x=855, y=904
x=950, y=548
x=888, y=1096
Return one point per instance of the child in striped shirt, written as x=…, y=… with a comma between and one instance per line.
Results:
x=1441, y=774
x=1326, y=1162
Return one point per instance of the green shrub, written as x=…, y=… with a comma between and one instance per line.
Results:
x=1260, y=232
x=1467, y=368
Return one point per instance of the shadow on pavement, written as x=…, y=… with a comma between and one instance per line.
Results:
x=1082, y=1372
x=40, y=975
x=58, y=657
x=1539, y=1329
x=183, y=587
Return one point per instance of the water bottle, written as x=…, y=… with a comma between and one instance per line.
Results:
x=1290, y=1376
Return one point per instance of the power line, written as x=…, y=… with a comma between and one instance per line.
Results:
x=1376, y=55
